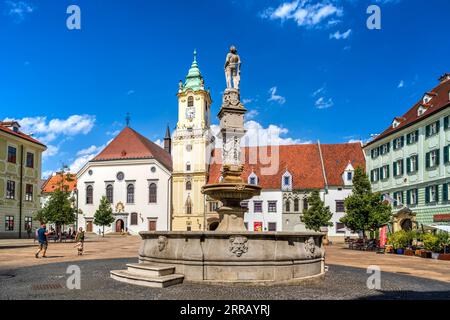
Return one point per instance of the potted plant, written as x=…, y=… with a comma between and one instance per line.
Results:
x=399, y=240
x=444, y=240
x=432, y=245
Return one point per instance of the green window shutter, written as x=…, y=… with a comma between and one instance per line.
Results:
x=394, y=165
x=395, y=199
x=417, y=196
x=437, y=193
x=427, y=131
x=427, y=195
x=403, y=167
x=408, y=138
x=438, y=125
x=408, y=165
x=445, y=192
x=388, y=147
x=371, y=176
x=417, y=163
x=446, y=158
x=438, y=157
x=388, y=172
x=403, y=141
x=380, y=174
x=408, y=197
x=446, y=122
x=427, y=160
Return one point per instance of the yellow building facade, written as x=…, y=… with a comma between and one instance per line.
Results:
x=20, y=175
x=192, y=145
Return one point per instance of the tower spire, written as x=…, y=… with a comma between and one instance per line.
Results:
x=168, y=141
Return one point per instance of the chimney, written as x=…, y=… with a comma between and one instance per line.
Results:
x=168, y=141
x=444, y=78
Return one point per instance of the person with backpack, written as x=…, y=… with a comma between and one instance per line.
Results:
x=42, y=234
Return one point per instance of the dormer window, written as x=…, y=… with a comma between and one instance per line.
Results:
x=427, y=98
x=349, y=176
x=421, y=110
x=286, y=181
x=253, y=179
x=395, y=123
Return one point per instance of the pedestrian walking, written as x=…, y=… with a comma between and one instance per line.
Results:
x=42, y=234
x=29, y=231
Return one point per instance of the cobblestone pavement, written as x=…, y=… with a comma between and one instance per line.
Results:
x=49, y=282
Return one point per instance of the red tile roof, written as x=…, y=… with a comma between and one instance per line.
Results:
x=438, y=102
x=336, y=158
x=131, y=145
x=53, y=183
x=302, y=161
x=20, y=134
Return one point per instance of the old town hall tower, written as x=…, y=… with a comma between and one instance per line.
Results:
x=193, y=143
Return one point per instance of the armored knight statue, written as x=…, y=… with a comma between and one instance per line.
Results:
x=233, y=69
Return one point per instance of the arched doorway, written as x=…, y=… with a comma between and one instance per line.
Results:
x=120, y=225
x=406, y=225
x=213, y=225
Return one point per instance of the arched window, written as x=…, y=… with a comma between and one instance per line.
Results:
x=188, y=205
x=130, y=193
x=288, y=205
x=296, y=205
x=190, y=101
x=152, y=189
x=89, y=195
x=188, y=185
x=110, y=193
x=188, y=166
x=134, y=219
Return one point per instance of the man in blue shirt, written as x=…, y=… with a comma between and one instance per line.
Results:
x=42, y=239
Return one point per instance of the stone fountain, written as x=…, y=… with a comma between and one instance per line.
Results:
x=230, y=253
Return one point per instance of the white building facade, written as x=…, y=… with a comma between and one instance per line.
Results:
x=134, y=174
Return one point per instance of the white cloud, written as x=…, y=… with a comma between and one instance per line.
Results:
x=51, y=151
x=338, y=36
x=251, y=114
x=304, y=13
x=276, y=98
x=130, y=92
x=246, y=101
x=401, y=84
x=46, y=174
x=324, y=103
x=92, y=149
x=319, y=91
x=18, y=9
x=79, y=162
x=48, y=131
x=159, y=142
x=113, y=133
x=257, y=135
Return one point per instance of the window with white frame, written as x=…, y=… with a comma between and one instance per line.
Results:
x=253, y=179
x=272, y=206
x=286, y=183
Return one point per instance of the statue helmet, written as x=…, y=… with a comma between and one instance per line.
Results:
x=233, y=49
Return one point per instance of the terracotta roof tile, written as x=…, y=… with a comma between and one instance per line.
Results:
x=54, y=182
x=302, y=161
x=129, y=144
x=20, y=135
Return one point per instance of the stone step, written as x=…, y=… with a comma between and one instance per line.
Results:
x=146, y=281
x=150, y=270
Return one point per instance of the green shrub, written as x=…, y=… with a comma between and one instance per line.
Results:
x=400, y=239
x=432, y=242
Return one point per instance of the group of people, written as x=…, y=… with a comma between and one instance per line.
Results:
x=42, y=236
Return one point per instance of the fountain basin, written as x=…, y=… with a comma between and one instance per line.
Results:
x=236, y=256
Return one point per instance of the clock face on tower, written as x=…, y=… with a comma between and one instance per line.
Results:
x=190, y=113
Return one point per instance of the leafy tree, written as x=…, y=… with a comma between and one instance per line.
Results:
x=317, y=215
x=59, y=209
x=104, y=215
x=365, y=210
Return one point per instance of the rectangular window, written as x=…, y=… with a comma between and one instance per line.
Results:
x=374, y=175
x=272, y=206
x=305, y=204
x=447, y=154
x=432, y=194
x=287, y=181
x=272, y=226
x=398, y=143
x=253, y=180
x=340, y=206
x=244, y=204
x=28, y=222
x=12, y=154
x=432, y=129
x=398, y=168
x=432, y=159
x=446, y=120
x=398, y=199
x=152, y=225
x=374, y=153
x=385, y=148
x=29, y=192
x=9, y=223
x=384, y=173
x=10, y=189
x=412, y=164
x=349, y=176
x=257, y=206
x=30, y=160
x=412, y=137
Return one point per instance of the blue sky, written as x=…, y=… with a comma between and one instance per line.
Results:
x=311, y=69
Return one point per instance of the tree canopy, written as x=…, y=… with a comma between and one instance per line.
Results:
x=104, y=214
x=317, y=215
